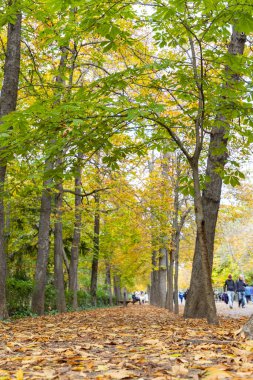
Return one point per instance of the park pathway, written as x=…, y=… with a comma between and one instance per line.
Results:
x=236, y=312
x=136, y=342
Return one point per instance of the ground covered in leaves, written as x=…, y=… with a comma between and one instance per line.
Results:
x=137, y=342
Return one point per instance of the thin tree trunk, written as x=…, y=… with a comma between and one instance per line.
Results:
x=73, y=276
x=109, y=282
x=58, y=252
x=170, y=297
x=94, y=268
x=162, y=275
x=154, y=286
x=176, y=307
x=196, y=304
x=65, y=260
x=170, y=272
x=117, y=289
x=8, y=102
x=125, y=297
x=38, y=296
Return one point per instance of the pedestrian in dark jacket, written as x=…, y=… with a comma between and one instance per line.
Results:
x=240, y=288
x=229, y=287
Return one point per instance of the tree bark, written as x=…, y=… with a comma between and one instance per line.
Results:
x=170, y=271
x=154, y=285
x=176, y=307
x=94, y=268
x=247, y=329
x=117, y=289
x=38, y=298
x=109, y=282
x=8, y=102
x=196, y=304
x=162, y=278
x=58, y=252
x=73, y=276
x=207, y=291
x=40, y=280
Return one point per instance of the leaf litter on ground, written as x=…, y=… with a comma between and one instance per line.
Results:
x=136, y=342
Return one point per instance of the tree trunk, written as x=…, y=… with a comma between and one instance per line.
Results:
x=170, y=272
x=207, y=291
x=176, y=307
x=58, y=252
x=247, y=329
x=196, y=304
x=73, y=276
x=117, y=289
x=125, y=297
x=94, y=269
x=109, y=282
x=38, y=296
x=175, y=236
x=8, y=102
x=154, y=286
x=162, y=276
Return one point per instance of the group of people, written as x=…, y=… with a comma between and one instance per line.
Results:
x=182, y=295
x=140, y=297
x=231, y=287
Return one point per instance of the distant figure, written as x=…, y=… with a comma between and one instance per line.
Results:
x=229, y=287
x=142, y=297
x=146, y=297
x=240, y=288
x=136, y=297
x=224, y=298
x=186, y=293
x=181, y=296
x=247, y=294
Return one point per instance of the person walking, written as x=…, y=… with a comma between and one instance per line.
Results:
x=181, y=296
x=229, y=288
x=247, y=294
x=240, y=288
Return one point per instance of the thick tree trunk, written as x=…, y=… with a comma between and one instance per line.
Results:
x=73, y=267
x=247, y=329
x=207, y=290
x=94, y=268
x=8, y=102
x=109, y=282
x=196, y=304
x=58, y=252
x=38, y=297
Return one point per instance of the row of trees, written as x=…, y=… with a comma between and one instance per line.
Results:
x=90, y=88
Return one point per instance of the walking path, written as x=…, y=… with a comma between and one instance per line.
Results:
x=236, y=312
x=134, y=342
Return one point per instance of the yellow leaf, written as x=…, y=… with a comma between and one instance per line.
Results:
x=121, y=374
x=216, y=373
x=19, y=375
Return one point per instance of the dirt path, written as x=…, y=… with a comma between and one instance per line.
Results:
x=137, y=342
x=236, y=312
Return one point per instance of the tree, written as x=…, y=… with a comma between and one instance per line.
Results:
x=8, y=102
x=189, y=80
x=217, y=157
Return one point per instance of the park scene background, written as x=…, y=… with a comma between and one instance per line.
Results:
x=125, y=165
